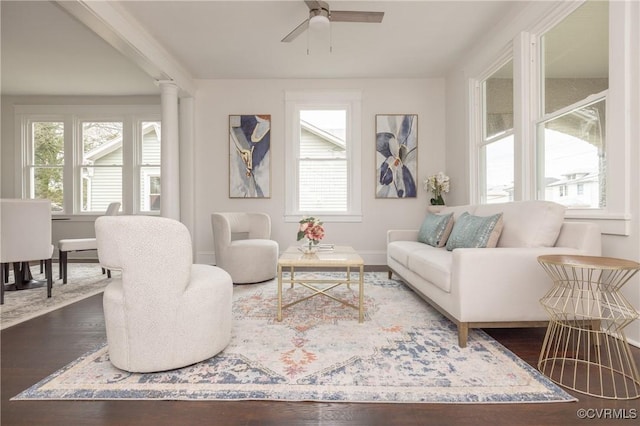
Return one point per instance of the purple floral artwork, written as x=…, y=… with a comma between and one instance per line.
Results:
x=396, y=155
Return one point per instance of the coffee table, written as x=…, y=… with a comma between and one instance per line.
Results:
x=340, y=257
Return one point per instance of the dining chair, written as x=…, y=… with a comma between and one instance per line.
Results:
x=243, y=246
x=80, y=244
x=25, y=236
x=163, y=312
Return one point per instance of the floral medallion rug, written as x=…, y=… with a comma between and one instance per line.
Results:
x=403, y=352
x=83, y=280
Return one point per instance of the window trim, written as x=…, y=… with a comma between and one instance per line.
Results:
x=72, y=116
x=615, y=218
x=351, y=100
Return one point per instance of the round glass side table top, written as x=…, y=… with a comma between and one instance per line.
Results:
x=585, y=348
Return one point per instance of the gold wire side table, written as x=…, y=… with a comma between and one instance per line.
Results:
x=585, y=348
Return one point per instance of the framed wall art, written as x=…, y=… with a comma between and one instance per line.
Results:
x=396, y=155
x=250, y=156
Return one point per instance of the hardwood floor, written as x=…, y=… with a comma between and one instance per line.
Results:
x=36, y=348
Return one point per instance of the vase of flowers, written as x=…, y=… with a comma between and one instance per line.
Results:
x=310, y=228
x=437, y=184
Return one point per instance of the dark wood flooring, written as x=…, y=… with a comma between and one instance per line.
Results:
x=36, y=348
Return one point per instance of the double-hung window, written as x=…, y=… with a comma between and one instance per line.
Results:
x=323, y=155
x=44, y=159
x=84, y=157
x=570, y=130
x=496, y=146
x=555, y=149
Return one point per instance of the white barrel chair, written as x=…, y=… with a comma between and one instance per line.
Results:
x=163, y=312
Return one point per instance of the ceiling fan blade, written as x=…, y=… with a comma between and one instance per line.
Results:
x=316, y=4
x=356, y=16
x=296, y=32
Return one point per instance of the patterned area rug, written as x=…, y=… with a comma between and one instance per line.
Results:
x=403, y=352
x=83, y=280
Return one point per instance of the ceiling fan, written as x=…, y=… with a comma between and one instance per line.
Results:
x=321, y=15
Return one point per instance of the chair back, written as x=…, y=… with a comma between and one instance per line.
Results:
x=113, y=209
x=153, y=253
x=231, y=226
x=25, y=230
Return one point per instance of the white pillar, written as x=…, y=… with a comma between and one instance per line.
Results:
x=187, y=167
x=170, y=160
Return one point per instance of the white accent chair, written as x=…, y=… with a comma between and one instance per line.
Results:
x=25, y=234
x=80, y=244
x=163, y=312
x=243, y=246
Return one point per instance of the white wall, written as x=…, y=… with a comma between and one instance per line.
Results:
x=217, y=99
x=458, y=126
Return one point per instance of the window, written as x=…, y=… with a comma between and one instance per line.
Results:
x=101, y=165
x=322, y=183
x=323, y=149
x=571, y=137
x=45, y=161
x=149, y=166
x=496, y=147
x=83, y=158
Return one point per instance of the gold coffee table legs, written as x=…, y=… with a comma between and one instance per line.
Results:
x=312, y=284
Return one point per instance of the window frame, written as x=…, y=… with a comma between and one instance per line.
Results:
x=351, y=101
x=481, y=140
x=615, y=218
x=73, y=116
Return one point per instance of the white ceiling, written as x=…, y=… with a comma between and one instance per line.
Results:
x=46, y=51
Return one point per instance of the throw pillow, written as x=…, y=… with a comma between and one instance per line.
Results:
x=435, y=229
x=475, y=231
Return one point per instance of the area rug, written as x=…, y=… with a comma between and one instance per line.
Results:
x=83, y=280
x=403, y=352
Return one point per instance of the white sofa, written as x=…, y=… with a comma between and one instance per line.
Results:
x=492, y=287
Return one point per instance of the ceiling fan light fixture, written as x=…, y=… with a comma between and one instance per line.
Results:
x=319, y=22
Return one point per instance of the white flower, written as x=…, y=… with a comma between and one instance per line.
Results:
x=438, y=184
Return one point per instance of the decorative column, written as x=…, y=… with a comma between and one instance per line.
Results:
x=170, y=148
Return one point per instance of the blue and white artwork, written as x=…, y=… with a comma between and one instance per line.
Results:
x=250, y=156
x=396, y=155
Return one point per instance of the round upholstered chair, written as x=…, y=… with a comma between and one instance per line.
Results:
x=163, y=312
x=243, y=246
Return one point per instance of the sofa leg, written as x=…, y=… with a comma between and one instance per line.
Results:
x=463, y=334
x=390, y=273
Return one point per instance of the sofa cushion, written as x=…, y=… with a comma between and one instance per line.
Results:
x=433, y=265
x=533, y=223
x=400, y=250
x=471, y=231
x=435, y=229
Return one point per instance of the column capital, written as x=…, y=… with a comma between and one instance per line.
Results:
x=166, y=83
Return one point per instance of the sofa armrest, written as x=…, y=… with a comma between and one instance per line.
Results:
x=584, y=236
x=499, y=284
x=402, y=235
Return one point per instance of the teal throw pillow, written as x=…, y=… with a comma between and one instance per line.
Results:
x=435, y=229
x=475, y=231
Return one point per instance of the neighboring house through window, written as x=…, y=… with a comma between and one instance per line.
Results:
x=323, y=151
x=83, y=158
